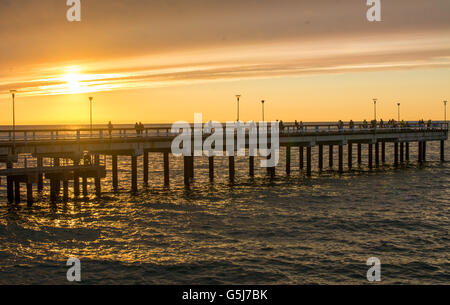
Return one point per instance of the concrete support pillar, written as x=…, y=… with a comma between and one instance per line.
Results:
x=29, y=194
x=288, y=160
x=251, y=166
x=442, y=150
x=134, y=187
x=396, y=154
x=211, y=168
x=308, y=161
x=320, y=157
x=370, y=155
x=359, y=154
x=350, y=155
x=115, y=176
x=330, y=156
x=301, y=155
x=166, y=169
x=383, y=152
x=231, y=172
x=40, y=183
x=145, y=167
x=341, y=158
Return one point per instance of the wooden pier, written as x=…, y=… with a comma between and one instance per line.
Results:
x=85, y=148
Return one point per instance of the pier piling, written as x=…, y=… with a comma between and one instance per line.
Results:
x=231, y=172
x=420, y=153
x=251, y=165
x=17, y=192
x=377, y=154
x=350, y=155
x=98, y=184
x=402, y=153
x=29, y=194
x=442, y=151
x=359, y=154
x=396, y=154
x=330, y=156
x=424, y=151
x=115, y=178
x=407, y=151
x=65, y=190
x=383, y=152
x=308, y=161
x=166, y=169
x=187, y=175
x=145, y=167
x=301, y=155
x=288, y=160
x=9, y=184
x=320, y=157
x=40, y=183
x=211, y=168
x=370, y=155
x=341, y=158
x=134, y=187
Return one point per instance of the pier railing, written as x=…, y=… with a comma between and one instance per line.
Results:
x=28, y=135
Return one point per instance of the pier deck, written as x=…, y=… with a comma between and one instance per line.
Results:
x=77, y=144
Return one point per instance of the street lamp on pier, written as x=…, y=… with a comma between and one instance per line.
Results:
x=238, y=96
x=375, y=108
x=262, y=103
x=90, y=100
x=13, y=94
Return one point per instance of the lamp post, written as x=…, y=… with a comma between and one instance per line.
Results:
x=13, y=94
x=262, y=103
x=445, y=111
x=90, y=100
x=375, y=108
x=238, y=96
x=398, y=104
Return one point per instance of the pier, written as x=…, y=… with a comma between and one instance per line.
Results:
x=85, y=148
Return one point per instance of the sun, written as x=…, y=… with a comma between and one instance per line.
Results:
x=73, y=82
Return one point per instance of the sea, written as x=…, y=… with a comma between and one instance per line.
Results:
x=293, y=230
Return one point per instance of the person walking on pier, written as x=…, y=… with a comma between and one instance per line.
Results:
x=110, y=128
x=351, y=124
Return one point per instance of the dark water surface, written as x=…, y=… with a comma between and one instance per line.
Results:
x=293, y=231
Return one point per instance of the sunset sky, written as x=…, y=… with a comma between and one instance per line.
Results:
x=162, y=60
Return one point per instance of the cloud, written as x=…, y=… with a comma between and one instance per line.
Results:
x=136, y=44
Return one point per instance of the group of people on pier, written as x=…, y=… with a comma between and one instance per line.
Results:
x=373, y=124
